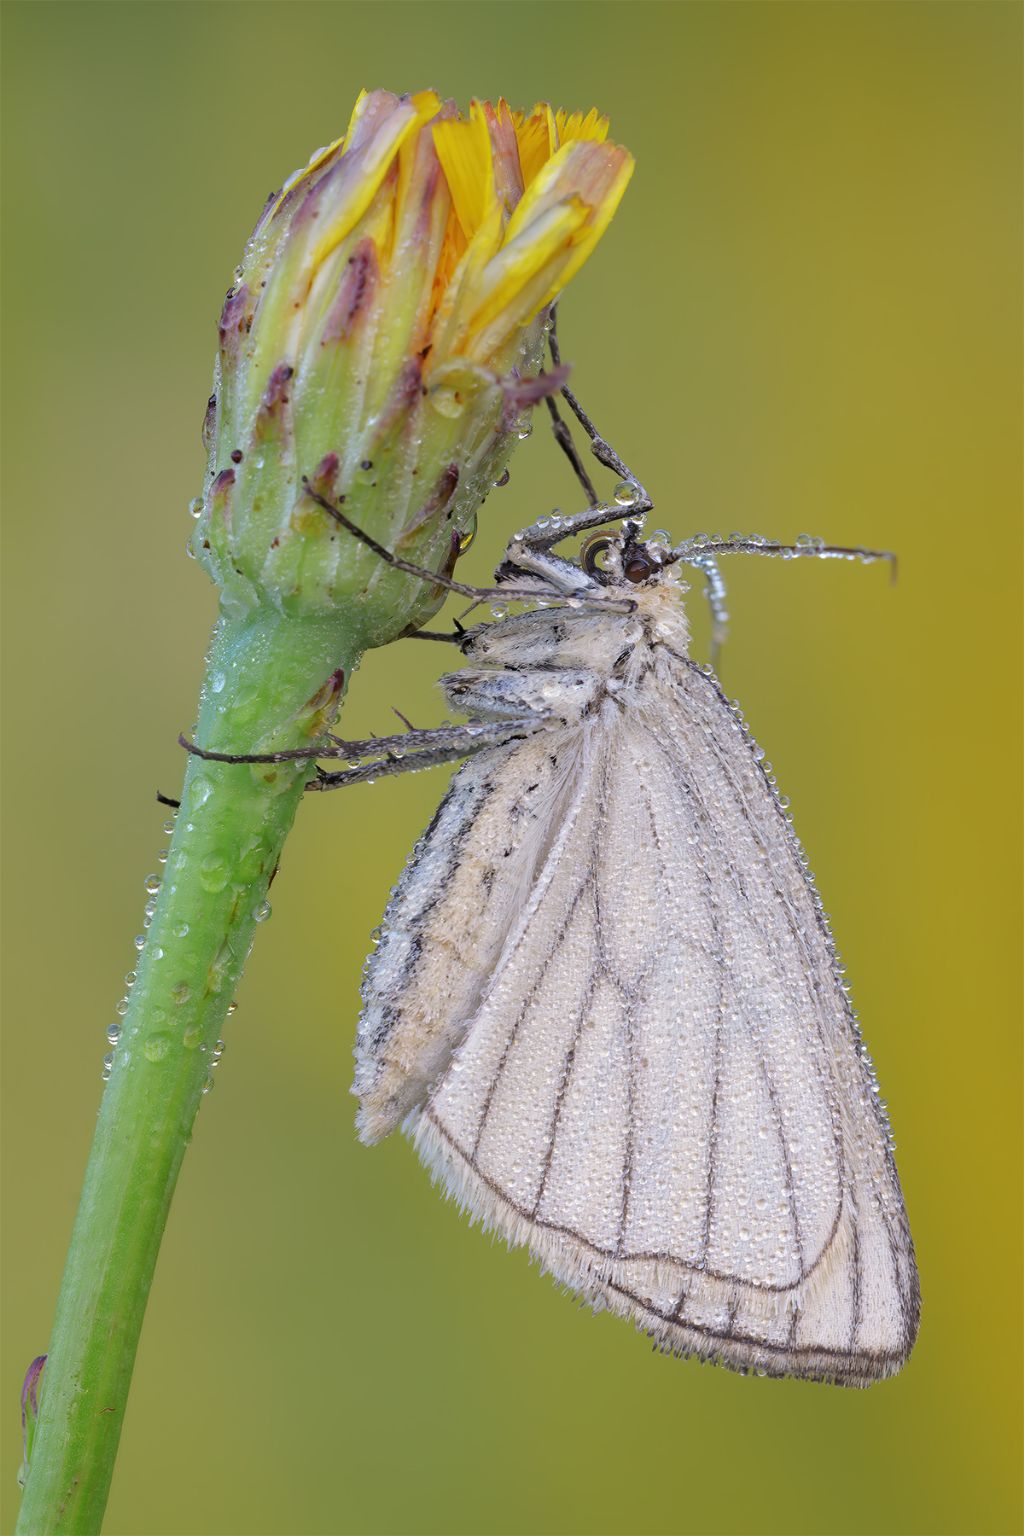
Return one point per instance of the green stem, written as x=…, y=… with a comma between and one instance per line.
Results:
x=264, y=690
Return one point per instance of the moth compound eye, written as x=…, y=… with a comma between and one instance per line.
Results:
x=594, y=554
x=638, y=566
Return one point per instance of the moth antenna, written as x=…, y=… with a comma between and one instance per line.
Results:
x=714, y=591
x=697, y=550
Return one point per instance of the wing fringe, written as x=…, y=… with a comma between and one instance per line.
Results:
x=600, y=1283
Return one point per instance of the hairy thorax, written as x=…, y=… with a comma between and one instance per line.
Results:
x=559, y=662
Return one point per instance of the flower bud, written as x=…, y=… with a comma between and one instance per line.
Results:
x=382, y=345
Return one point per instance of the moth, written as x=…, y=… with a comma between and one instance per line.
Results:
x=605, y=1002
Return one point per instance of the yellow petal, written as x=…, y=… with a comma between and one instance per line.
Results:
x=411, y=153
x=598, y=223
x=508, y=179
x=357, y=112
x=427, y=104
x=536, y=136
x=464, y=150
x=512, y=269
x=361, y=171
x=461, y=296
x=590, y=169
x=556, y=226
x=575, y=126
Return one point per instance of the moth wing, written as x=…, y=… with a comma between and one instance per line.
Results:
x=468, y=881
x=663, y=1091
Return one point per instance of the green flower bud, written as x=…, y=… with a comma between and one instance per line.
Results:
x=381, y=345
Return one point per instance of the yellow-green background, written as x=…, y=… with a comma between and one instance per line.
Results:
x=805, y=316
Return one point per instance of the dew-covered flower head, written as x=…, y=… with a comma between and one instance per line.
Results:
x=383, y=338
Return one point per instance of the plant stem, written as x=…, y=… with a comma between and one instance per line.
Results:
x=264, y=691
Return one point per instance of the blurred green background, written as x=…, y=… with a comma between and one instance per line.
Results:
x=805, y=316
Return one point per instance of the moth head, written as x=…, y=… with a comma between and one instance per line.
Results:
x=623, y=558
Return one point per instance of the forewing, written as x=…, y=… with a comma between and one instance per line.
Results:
x=663, y=1091
x=466, y=884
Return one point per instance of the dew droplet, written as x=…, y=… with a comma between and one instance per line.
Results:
x=157, y=1047
x=213, y=873
x=261, y=912
x=195, y=506
x=466, y=537
x=113, y=1033
x=169, y=827
x=181, y=993
x=232, y=1008
x=200, y=791
x=625, y=494
x=245, y=705
x=152, y=884
x=140, y=941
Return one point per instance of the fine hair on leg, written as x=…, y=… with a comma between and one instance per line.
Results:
x=562, y=435
x=433, y=578
x=460, y=737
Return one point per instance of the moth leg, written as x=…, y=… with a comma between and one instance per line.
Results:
x=546, y=532
x=457, y=636
x=464, y=742
x=562, y=435
x=564, y=574
x=432, y=578
x=602, y=450
x=529, y=549
x=471, y=734
x=462, y=738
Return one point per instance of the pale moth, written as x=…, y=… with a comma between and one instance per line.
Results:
x=605, y=1002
